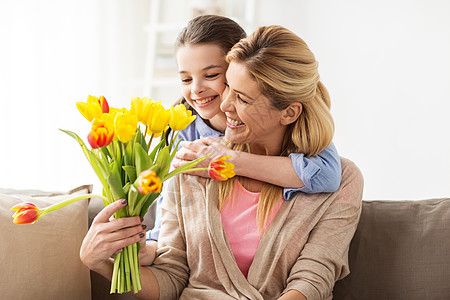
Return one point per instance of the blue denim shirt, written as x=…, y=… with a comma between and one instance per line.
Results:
x=319, y=174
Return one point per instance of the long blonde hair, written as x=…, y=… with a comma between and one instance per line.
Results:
x=286, y=71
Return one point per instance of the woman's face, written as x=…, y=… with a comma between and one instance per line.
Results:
x=250, y=115
x=202, y=73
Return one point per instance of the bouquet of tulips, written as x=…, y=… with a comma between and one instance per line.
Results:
x=128, y=167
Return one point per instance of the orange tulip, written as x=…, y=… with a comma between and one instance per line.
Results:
x=102, y=132
x=221, y=170
x=26, y=213
x=148, y=182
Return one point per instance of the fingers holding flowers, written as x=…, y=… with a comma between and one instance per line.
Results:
x=107, y=237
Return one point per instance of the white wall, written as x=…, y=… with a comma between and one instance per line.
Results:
x=385, y=63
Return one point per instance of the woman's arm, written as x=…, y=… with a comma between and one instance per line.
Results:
x=292, y=295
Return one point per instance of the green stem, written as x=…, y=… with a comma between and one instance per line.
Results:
x=127, y=268
x=150, y=141
x=64, y=203
x=115, y=278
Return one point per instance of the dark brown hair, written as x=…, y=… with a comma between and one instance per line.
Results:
x=209, y=29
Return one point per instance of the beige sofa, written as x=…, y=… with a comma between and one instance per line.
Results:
x=401, y=250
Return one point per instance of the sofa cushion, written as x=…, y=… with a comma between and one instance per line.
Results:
x=401, y=250
x=41, y=261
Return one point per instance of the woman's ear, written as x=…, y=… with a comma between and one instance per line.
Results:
x=291, y=113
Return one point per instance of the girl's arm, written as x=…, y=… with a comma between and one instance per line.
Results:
x=321, y=173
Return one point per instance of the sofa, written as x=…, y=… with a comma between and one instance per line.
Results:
x=401, y=250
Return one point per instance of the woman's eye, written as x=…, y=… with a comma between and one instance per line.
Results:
x=226, y=84
x=241, y=100
x=186, y=80
x=212, y=75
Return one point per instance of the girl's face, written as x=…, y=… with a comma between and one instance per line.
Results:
x=202, y=73
x=250, y=115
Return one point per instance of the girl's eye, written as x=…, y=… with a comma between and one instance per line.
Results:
x=212, y=75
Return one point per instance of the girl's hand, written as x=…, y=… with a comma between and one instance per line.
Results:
x=147, y=252
x=199, y=148
x=108, y=236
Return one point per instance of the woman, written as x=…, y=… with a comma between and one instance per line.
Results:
x=292, y=249
x=201, y=49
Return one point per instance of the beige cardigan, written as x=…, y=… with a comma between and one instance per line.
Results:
x=305, y=247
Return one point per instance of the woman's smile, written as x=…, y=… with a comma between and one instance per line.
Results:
x=233, y=124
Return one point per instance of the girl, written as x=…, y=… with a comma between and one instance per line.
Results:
x=201, y=49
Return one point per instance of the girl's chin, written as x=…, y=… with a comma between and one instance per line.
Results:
x=208, y=114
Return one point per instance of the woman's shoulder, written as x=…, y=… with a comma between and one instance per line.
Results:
x=351, y=174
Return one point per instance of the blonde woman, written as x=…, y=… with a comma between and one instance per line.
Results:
x=240, y=239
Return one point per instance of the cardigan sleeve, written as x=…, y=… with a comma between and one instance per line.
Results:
x=170, y=266
x=324, y=258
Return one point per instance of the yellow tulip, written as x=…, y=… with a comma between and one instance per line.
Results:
x=180, y=117
x=141, y=108
x=158, y=119
x=125, y=125
x=93, y=107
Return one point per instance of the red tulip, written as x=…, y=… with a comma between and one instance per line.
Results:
x=221, y=170
x=26, y=213
x=103, y=104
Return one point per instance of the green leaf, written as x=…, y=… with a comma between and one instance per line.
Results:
x=156, y=149
x=140, y=139
x=143, y=160
x=185, y=168
x=163, y=162
x=116, y=187
x=131, y=172
x=147, y=202
x=105, y=152
x=128, y=153
x=133, y=194
x=96, y=164
x=116, y=171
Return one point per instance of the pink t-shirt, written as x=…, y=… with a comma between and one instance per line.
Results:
x=241, y=226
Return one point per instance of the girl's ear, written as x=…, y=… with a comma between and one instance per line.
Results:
x=291, y=113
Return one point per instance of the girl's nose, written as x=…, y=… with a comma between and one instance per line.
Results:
x=197, y=87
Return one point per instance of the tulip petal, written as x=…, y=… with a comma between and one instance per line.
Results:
x=220, y=169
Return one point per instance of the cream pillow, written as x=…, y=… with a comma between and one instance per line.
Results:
x=41, y=261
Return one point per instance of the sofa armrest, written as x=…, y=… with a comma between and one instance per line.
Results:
x=400, y=251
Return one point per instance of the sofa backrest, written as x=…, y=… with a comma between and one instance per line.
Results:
x=401, y=250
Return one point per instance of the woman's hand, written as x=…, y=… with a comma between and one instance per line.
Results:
x=108, y=236
x=199, y=148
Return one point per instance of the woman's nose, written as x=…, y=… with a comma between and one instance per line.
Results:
x=227, y=100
